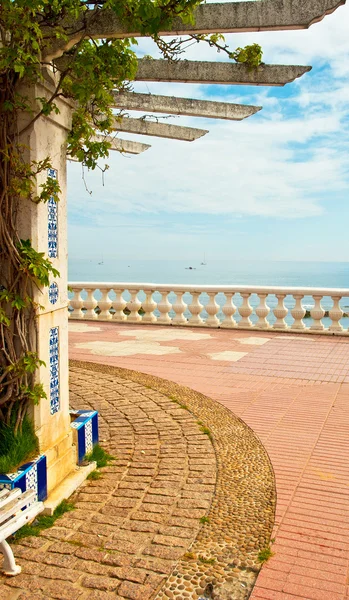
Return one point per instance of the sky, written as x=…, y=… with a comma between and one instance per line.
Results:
x=272, y=187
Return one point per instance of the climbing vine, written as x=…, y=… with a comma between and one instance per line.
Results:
x=34, y=36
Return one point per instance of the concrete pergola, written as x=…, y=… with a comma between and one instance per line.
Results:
x=46, y=224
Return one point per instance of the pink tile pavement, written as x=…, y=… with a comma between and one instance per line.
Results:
x=293, y=391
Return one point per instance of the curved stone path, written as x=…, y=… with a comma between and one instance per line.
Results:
x=293, y=390
x=137, y=533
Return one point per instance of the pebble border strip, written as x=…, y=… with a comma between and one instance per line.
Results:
x=223, y=560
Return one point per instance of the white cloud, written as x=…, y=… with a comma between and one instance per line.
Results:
x=244, y=168
x=279, y=163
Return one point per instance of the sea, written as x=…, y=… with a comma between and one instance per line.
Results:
x=214, y=272
x=220, y=272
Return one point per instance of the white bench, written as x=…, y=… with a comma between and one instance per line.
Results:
x=16, y=509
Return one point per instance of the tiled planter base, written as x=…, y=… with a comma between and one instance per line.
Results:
x=85, y=426
x=31, y=476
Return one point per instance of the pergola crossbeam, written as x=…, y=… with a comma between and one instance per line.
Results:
x=229, y=17
x=225, y=73
x=183, y=106
x=121, y=145
x=153, y=128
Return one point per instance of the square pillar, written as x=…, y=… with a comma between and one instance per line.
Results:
x=45, y=224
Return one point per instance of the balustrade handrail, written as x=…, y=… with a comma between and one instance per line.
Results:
x=251, y=289
x=140, y=303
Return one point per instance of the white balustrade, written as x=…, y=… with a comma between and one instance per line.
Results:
x=90, y=304
x=179, y=308
x=196, y=308
x=280, y=312
x=151, y=303
x=298, y=313
x=133, y=306
x=335, y=314
x=119, y=305
x=76, y=303
x=149, y=306
x=104, y=305
x=212, y=309
x=164, y=308
x=262, y=311
x=245, y=311
x=317, y=313
x=229, y=309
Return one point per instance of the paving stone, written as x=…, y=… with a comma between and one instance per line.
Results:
x=129, y=574
x=93, y=568
x=99, y=595
x=157, y=565
x=122, y=546
x=169, y=540
x=8, y=593
x=142, y=515
x=63, y=548
x=100, y=583
x=156, y=508
x=164, y=552
x=133, y=591
x=116, y=559
x=34, y=542
x=148, y=526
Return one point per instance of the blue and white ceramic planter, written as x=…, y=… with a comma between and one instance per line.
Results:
x=31, y=476
x=85, y=425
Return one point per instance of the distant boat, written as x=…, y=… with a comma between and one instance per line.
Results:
x=101, y=263
x=190, y=268
x=204, y=261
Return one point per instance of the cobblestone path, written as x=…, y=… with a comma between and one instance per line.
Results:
x=138, y=533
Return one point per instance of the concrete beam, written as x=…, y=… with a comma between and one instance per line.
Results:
x=152, y=128
x=230, y=17
x=183, y=106
x=225, y=73
x=126, y=146
x=120, y=145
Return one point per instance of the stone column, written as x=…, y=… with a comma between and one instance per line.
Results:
x=46, y=226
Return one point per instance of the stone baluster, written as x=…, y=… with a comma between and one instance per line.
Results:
x=317, y=313
x=76, y=303
x=280, y=312
x=245, y=311
x=118, y=306
x=196, y=308
x=229, y=309
x=134, y=305
x=105, y=304
x=262, y=311
x=179, y=308
x=298, y=313
x=164, y=308
x=90, y=304
x=335, y=315
x=149, y=306
x=212, y=309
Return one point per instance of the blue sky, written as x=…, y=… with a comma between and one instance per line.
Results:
x=274, y=186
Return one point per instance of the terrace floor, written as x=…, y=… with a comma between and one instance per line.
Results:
x=293, y=391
